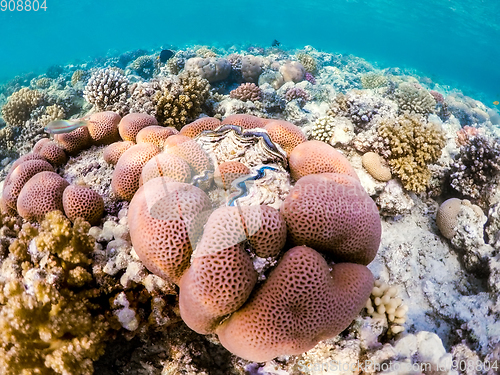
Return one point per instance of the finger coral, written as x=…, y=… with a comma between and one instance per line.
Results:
x=318, y=157
x=106, y=88
x=177, y=107
x=302, y=297
x=49, y=325
x=332, y=213
x=414, y=143
x=247, y=92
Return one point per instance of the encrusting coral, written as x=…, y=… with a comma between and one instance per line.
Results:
x=49, y=324
x=414, y=143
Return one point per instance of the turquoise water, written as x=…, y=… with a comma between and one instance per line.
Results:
x=454, y=42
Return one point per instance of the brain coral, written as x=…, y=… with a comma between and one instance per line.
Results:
x=114, y=151
x=190, y=151
x=18, y=178
x=286, y=134
x=81, y=201
x=318, y=157
x=301, y=303
x=196, y=127
x=211, y=68
x=155, y=134
x=165, y=219
x=247, y=92
x=132, y=123
x=103, y=127
x=245, y=121
x=54, y=154
x=414, y=144
x=125, y=181
x=177, y=108
x=412, y=98
x=20, y=105
x=105, y=88
x=166, y=165
x=333, y=214
x=251, y=68
x=228, y=171
x=40, y=195
x=74, y=141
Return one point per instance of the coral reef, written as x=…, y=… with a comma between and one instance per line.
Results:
x=247, y=91
x=20, y=106
x=412, y=98
x=414, y=143
x=106, y=89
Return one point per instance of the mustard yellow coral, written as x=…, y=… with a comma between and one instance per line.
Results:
x=414, y=143
x=310, y=64
x=20, y=105
x=48, y=324
x=177, y=107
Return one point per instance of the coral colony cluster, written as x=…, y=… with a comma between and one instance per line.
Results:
x=247, y=211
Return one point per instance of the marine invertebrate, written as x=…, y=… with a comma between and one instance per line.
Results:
x=385, y=303
x=196, y=127
x=81, y=201
x=210, y=68
x=373, y=80
x=50, y=323
x=332, y=213
x=475, y=168
x=252, y=333
x=228, y=171
x=464, y=134
x=144, y=66
x=17, y=178
x=177, y=108
x=251, y=68
x=126, y=175
x=51, y=152
x=172, y=216
x=74, y=141
x=79, y=75
x=103, y=127
x=166, y=165
x=190, y=151
x=273, y=78
x=131, y=124
x=292, y=71
x=105, y=88
x=414, y=143
x=155, y=134
x=40, y=195
x=245, y=121
x=286, y=134
x=296, y=93
x=374, y=165
x=310, y=78
x=247, y=92
x=114, y=151
x=318, y=157
x=333, y=130
x=20, y=106
x=412, y=98
x=308, y=62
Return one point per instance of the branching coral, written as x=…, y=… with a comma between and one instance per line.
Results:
x=475, y=169
x=48, y=323
x=247, y=91
x=414, y=143
x=20, y=106
x=177, y=108
x=296, y=93
x=373, y=81
x=412, y=98
x=310, y=64
x=106, y=87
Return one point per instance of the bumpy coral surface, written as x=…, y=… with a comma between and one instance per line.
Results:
x=20, y=105
x=247, y=91
x=105, y=88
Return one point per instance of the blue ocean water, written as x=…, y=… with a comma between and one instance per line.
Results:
x=454, y=42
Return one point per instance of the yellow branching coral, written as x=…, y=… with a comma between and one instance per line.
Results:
x=20, y=105
x=178, y=107
x=48, y=324
x=310, y=64
x=373, y=80
x=414, y=143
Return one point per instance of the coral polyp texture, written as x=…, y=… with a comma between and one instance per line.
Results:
x=242, y=203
